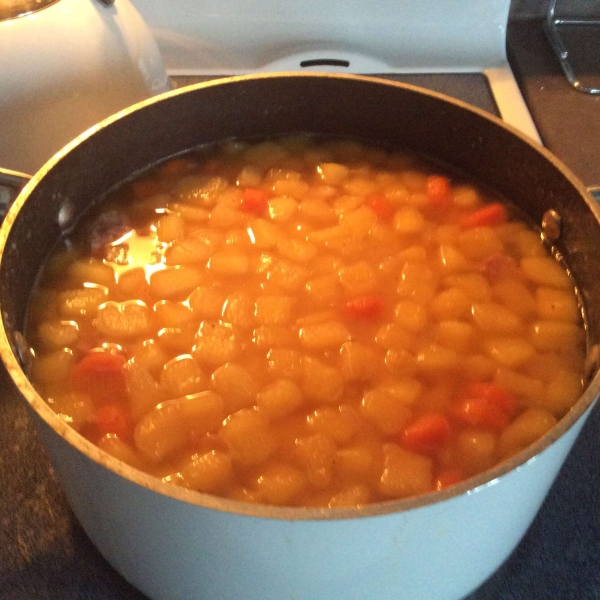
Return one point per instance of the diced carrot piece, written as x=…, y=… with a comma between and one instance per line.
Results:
x=100, y=373
x=448, y=477
x=381, y=207
x=364, y=307
x=255, y=201
x=480, y=412
x=490, y=215
x=495, y=394
x=112, y=418
x=98, y=364
x=438, y=190
x=427, y=434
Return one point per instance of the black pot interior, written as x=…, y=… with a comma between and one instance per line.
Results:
x=381, y=112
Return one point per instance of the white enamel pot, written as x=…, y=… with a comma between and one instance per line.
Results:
x=173, y=543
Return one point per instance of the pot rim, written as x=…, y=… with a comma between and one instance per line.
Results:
x=471, y=485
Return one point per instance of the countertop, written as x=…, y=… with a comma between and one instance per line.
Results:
x=44, y=553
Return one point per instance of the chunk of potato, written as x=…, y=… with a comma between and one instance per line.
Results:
x=117, y=448
x=546, y=271
x=207, y=302
x=321, y=382
x=528, y=389
x=452, y=303
x=452, y=260
x=81, y=302
x=123, y=319
x=209, y=472
x=170, y=227
x=382, y=408
x=175, y=282
x=54, y=366
x=359, y=278
x=92, y=270
x=264, y=234
x=297, y=250
x=144, y=391
x=474, y=285
x=279, y=398
x=563, y=390
x=495, y=318
x=316, y=455
x=509, y=351
x=235, y=385
x=404, y=473
x=353, y=496
x=229, y=263
x=408, y=221
x=456, y=335
x=238, y=310
x=169, y=426
x=411, y=315
x=479, y=242
x=58, y=333
x=340, y=423
x=476, y=449
x=282, y=208
x=273, y=310
x=75, y=408
x=524, y=430
x=182, y=376
x=557, y=305
x=360, y=361
x=324, y=290
x=554, y=335
x=216, y=344
x=417, y=282
x=248, y=436
x=169, y=313
x=324, y=336
x=285, y=363
x=280, y=483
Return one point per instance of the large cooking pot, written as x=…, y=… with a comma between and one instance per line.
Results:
x=173, y=543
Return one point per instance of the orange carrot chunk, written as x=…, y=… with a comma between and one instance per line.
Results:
x=254, y=201
x=101, y=374
x=112, y=418
x=488, y=216
x=448, y=477
x=427, y=434
x=480, y=412
x=381, y=207
x=495, y=394
x=98, y=364
x=364, y=307
x=438, y=190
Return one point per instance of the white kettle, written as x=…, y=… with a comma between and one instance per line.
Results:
x=64, y=66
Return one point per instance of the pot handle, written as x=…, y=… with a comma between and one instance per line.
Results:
x=11, y=183
x=594, y=190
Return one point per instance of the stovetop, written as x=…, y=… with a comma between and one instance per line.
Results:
x=45, y=555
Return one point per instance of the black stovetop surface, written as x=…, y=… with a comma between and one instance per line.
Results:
x=45, y=555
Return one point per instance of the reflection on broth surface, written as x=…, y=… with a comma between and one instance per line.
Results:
x=306, y=322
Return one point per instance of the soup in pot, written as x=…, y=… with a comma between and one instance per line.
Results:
x=306, y=322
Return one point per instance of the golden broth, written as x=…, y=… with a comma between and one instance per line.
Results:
x=306, y=322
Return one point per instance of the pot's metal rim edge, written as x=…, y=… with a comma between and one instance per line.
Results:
x=208, y=501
